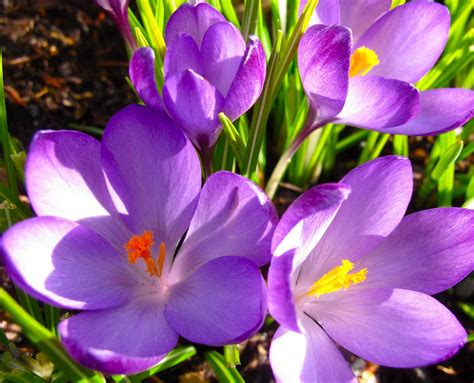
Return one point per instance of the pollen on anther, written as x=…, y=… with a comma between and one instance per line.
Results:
x=139, y=246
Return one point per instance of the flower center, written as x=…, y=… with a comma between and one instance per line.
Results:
x=336, y=279
x=362, y=61
x=139, y=246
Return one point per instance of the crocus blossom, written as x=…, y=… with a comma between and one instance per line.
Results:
x=208, y=69
x=118, y=9
x=107, y=240
x=348, y=268
x=358, y=62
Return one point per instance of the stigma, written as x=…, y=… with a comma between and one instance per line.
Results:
x=362, y=61
x=337, y=279
x=139, y=246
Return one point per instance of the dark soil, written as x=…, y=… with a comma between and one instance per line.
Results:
x=64, y=68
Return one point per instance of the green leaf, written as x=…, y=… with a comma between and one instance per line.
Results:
x=175, y=357
x=224, y=374
x=7, y=146
x=231, y=355
x=467, y=308
x=233, y=137
x=261, y=112
x=46, y=341
x=250, y=18
x=448, y=158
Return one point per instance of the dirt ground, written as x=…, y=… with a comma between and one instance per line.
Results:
x=65, y=68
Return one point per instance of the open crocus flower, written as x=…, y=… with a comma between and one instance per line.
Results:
x=118, y=9
x=358, y=62
x=349, y=269
x=208, y=69
x=107, y=240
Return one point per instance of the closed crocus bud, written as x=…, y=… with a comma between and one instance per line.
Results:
x=208, y=69
x=118, y=9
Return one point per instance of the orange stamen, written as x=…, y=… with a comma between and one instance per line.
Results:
x=161, y=258
x=140, y=246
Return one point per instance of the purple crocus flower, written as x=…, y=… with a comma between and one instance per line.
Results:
x=111, y=217
x=118, y=9
x=358, y=62
x=208, y=69
x=349, y=269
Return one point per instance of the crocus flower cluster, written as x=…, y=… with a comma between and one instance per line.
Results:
x=358, y=62
x=349, y=269
x=111, y=216
x=126, y=234
x=208, y=69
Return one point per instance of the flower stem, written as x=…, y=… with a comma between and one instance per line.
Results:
x=281, y=166
x=206, y=158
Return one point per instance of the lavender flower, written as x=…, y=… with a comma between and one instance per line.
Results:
x=348, y=268
x=208, y=69
x=359, y=73
x=118, y=9
x=111, y=216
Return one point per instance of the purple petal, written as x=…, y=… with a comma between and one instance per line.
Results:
x=377, y=103
x=358, y=15
x=233, y=217
x=441, y=110
x=155, y=172
x=310, y=357
x=118, y=9
x=247, y=84
x=281, y=304
x=327, y=12
x=67, y=264
x=222, y=302
x=123, y=340
x=429, y=252
x=64, y=178
x=299, y=230
x=408, y=40
x=307, y=219
x=192, y=20
x=222, y=50
x=380, y=193
x=323, y=61
x=395, y=328
x=143, y=77
x=194, y=104
x=182, y=54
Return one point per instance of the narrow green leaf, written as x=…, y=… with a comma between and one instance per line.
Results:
x=250, y=18
x=289, y=49
x=46, y=341
x=351, y=140
x=467, y=308
x=448, y=158
x=5, y=137
x=233, y=138
x=228, y=10
x=261, y=112
x=400, y=146
x=175, y=357
x=224, y=374
x=151, y=26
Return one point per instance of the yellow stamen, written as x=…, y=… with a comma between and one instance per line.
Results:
x=362, y=61
x=140, y=246
x=336, y=279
